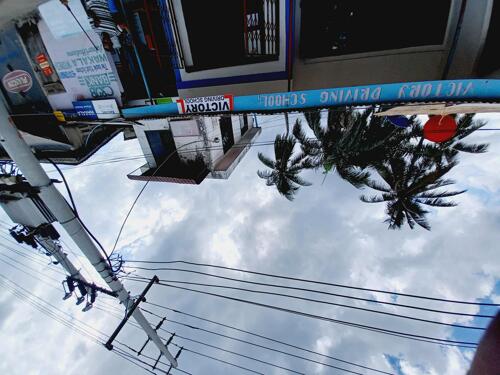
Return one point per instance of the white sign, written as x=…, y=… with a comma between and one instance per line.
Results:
x=60, y=21
x=106, y=109
x=85, y=72
x=217, y=103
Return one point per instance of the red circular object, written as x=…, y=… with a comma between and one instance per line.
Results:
x=440, y=128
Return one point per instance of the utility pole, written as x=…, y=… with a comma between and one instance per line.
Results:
x=30, y=167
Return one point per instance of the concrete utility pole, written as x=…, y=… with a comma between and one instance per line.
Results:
x=22, y=155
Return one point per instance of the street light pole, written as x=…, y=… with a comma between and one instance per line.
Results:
x=29, y=165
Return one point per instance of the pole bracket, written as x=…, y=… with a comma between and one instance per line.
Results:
x=130, y=311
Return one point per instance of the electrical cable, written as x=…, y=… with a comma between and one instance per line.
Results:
x=75, y=212
x=65, y=3
x=218, y=360
x=241, y=355
x=254, y=344
x=28, y=273
x=154, y=359
x=46, y=310
x=142, y=190
x=38, y=260
x=389, y=332
x=309, y=281
x=131, y=359
x=316, y=301
x=69, y=323
x=261, y=336
x=318, y=292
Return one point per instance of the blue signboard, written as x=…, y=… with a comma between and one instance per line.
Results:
x=85, y=109
x=405, y=92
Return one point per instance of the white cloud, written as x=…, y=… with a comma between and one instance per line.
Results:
x=326, y=234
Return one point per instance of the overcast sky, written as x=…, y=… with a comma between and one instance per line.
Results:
x=325, y=234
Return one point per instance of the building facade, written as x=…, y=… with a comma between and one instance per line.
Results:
x=260, y=46
x=189, y=149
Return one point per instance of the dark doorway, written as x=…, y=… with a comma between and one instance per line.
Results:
x=244, y=125
x=226, y=129
x=162, y=144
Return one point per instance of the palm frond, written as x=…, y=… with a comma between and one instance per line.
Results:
x=266, y=161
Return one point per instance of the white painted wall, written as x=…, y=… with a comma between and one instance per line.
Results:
x=154, y=124
x=213, y=131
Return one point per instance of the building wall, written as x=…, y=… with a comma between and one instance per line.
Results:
x=473, y=33
x=408, y=64
x=154, y=124
x=213, y=132
x=189, y=139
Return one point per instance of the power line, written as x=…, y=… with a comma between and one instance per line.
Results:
x=19, y=269
x=34, y=259
x=218, y=360
x=316, y=301
x=221, y=349
x=406, y=335
x=33, y=300
x=256, y=345
x=142, y=190
x=69, y=323
x=131, y=359
x=260, y=336
x=319, y=292
x=40, y=274
x=240, y=355
x=308, y=281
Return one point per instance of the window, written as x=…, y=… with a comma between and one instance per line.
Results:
x=225, y=33
x=340, y=27
x=261, y=27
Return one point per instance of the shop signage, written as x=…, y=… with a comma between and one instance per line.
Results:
x=17, y=81
x=217, y=103
x=44, y=65
x=97, y=109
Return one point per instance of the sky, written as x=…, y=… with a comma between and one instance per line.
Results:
x=325, y=234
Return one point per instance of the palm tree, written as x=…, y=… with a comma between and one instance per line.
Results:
x=408, y=184
x=348, y=144
x=446, y=151
x=284, y=173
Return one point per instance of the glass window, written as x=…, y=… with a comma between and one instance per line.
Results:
x=340, y=27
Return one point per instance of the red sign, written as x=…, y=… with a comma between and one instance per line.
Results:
x=216, y=103
x=17, y=81
x=43, y=63
x=440, y=128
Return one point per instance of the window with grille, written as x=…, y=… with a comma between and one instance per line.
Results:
x=226, y=33
x=261, y=27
